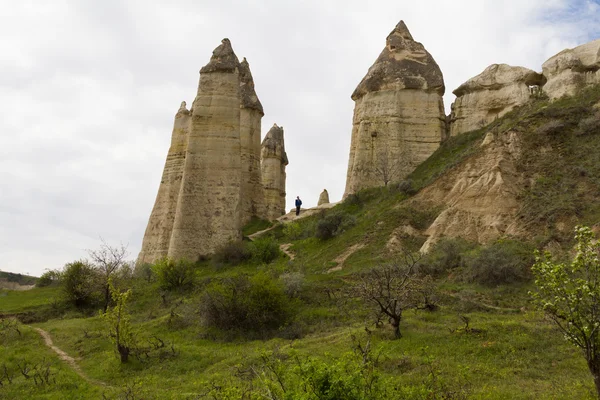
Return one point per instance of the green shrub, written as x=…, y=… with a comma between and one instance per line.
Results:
x=173, y=275
x=333, y=224
x=51, y=276
x=232, y=253
x=505, y=261
x=264, y=250
x=242, y=303
x=292, y=230
x=446, y=255
x=80, y=283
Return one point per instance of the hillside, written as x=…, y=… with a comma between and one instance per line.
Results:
x=300, y=327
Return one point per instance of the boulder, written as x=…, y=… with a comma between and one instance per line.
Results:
x=490, y=95
x=399, y=118
x=572, y=69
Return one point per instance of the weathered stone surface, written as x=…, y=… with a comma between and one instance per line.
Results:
x=479, y=197
x=490, y=95
x=572, y=69
x=160, y=225
x=399, y=118
x=251, y=113
x=323, y=197
x=208, y=210
x=273, y=163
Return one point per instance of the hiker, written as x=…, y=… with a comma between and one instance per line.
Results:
x=298, y=204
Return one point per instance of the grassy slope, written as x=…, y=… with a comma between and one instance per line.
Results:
x=517, y=354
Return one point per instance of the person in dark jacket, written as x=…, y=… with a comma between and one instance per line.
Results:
x=298, y=204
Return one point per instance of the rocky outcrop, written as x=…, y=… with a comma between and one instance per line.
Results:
x=212, y=180
x=208, y=209
x=399, y=118
x=490, y=95
x=323, y=197
x=158, y=232
x=480, y=197
x=251, y=113
x=572, y=69
x=273, y=163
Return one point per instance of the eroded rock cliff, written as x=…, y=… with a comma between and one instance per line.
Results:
x=399, y=117
x=490, y=95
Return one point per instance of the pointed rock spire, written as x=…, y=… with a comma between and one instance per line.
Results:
x=403, y=64
x=223, y=59
x=249, y=97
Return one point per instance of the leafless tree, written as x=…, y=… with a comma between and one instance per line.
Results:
x=388, y=168
x=391, y=289
x=107, y=260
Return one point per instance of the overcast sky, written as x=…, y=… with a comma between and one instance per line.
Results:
x=89, y=89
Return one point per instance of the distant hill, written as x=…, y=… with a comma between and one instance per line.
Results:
x=9, y=280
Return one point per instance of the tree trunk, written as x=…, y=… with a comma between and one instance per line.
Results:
x=106, y=297
x=396, y=324
x=123, y=352
x=594, y=367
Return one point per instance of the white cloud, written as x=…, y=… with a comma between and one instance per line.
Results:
x=88, y=91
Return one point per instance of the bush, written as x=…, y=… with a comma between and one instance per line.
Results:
x=80, y=283
x=173, y=275
x=505, y=261
x=407, y=187
x=353, y=200
x=446, y=255
x=233, y=253
x=334, y=224
x=256, y=304
x=589, y=125
x=293, y=283
x=292, y=230
x=264, y=250
x=551, y=127
x=48, y=278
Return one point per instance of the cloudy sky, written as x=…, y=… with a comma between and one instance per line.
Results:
x=89, y=89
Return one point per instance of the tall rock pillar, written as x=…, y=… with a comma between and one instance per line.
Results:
x=160, y=225
x=273, y=163
x=399, y=118
x=208, y=212
x=251, y=113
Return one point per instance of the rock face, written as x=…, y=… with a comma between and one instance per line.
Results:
x=251, y=113
x=160, y=225
x=572, y=69
x=273, y=163
x=399, y=117
x=212, y=181
x=208, y=210
x=323, y=197
x=490, y=95
x=479, y=197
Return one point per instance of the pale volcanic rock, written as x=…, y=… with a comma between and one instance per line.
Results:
x=491, y=94
x=323, y=197
x=157, y=237
x=572, y=69
x=208, y=210
x=479, y=196
x=399, y=118
x=273, y=163
x=251, y=113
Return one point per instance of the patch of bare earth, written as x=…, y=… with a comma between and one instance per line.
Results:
x=344, y=256
x=286, y=250
x=66, y=358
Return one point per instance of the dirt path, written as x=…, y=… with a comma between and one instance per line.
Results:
x=286, y=249
x=67, y=358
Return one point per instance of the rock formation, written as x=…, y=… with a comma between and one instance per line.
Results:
x=323, y=197
x=490, y=95
x=251, y=113
x=158, y=232
x=480, y=198
x=273, y=163
x=572, y=69
x=399, y=118
x=212, y=183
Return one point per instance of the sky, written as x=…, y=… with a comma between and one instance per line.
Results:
x=89, y=90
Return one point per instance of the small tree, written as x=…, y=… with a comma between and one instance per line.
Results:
x=107, y=260
x=570, y=296
x=391, y=289
x=118, y=323
x=387, y=169
x=78, y=283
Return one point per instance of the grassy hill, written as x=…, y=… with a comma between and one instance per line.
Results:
x=298, y=328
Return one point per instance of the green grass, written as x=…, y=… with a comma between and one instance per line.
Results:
x=27, y=300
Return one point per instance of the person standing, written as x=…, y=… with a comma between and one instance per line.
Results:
x=298, y=204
